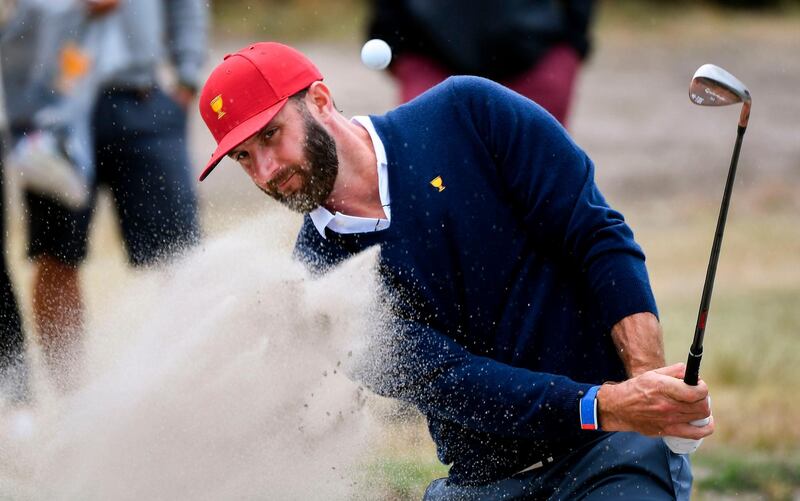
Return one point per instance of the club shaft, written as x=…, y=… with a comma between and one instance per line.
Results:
x=696, y=351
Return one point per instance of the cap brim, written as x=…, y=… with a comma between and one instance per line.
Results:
x=240, y=134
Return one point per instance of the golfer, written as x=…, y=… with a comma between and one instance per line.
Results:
x=526, y=329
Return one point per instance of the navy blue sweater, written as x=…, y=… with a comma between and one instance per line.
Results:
x=506, y=282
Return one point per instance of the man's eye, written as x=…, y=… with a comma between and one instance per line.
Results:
x=240, y=156
x=269, y=133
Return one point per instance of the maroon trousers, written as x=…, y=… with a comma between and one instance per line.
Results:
x=549, y=82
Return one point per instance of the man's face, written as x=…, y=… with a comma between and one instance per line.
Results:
x=293, y=159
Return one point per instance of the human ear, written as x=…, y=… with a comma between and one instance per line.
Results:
x=319, y=100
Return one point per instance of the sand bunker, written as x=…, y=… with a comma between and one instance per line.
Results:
x=220, y=377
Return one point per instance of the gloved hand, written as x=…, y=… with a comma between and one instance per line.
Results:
x=680, y=445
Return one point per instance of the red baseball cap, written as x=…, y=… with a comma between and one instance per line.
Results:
x=247, y=90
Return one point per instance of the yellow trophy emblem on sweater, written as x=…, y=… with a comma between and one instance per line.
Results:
x=216, y=106
x=437, y=183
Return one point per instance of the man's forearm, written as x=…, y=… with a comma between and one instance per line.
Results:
x=639, y=342
x=654, y=401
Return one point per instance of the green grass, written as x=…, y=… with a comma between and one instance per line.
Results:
x=290, y=20
x=303, y=20
x=750, y=338
x=734, y=473
x=404, y=477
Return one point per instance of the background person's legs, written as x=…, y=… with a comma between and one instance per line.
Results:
x=58, y=314
x=57, y=246
x=550, y=82
x=415, y=74
x=145, y=162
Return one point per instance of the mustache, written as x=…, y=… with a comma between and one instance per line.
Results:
x=281, y=177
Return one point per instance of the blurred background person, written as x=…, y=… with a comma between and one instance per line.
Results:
x=534, y=47
x=14, y=382
x=139, y=148
x=13, y=369
x=59, y=52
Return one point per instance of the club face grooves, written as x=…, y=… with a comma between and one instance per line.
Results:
x=706, y=92
x=713, y=86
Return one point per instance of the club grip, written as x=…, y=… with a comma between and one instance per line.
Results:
x=692, y=369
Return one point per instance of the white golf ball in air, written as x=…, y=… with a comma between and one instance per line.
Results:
x=376, y=54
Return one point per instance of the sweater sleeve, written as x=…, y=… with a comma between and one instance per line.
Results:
x=445, y=381
x=414, y=362
x=551, y=184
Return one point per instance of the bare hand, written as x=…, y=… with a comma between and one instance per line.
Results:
x=655, y=403
x=183, y=95
x=100, y=7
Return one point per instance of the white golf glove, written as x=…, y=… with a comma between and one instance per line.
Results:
x=680, y=445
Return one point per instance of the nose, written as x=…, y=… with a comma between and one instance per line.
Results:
x=264, y=169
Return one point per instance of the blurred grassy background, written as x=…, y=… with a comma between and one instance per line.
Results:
x=752, y=358
x=305, y=20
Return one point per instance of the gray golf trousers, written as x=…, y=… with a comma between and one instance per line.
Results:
x=626, y=466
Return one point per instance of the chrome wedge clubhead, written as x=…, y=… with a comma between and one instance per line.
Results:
x=713, y=86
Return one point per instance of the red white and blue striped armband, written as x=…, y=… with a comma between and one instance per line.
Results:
x=588, y=409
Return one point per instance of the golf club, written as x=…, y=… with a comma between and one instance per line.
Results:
x=712, y=86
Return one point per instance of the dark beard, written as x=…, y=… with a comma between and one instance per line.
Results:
x=318, y=172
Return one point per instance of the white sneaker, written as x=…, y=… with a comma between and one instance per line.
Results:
x=43, y=169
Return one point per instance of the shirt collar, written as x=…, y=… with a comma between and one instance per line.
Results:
x=322, y=217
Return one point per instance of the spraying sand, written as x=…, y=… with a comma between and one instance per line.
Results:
x=221, y=377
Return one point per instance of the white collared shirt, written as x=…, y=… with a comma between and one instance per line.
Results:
x=342, y=223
